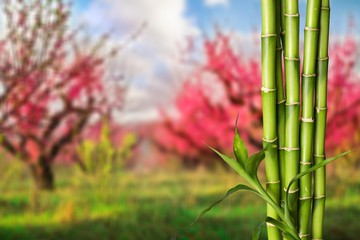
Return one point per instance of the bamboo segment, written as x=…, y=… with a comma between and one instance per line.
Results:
x=280, y=97
x=320, y=122
x=268, y=57
x=307, y=120
x=282, y=21
x=292, y=108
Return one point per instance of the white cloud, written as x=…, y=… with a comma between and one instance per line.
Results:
x=2, y=21
x=212, y=3
x=152, y=60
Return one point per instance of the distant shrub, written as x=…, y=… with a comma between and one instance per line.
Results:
x=102, y=157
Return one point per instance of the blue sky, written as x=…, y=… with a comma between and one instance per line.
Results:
x=244, y=15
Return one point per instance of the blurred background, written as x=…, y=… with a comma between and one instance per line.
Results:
x=107, y=108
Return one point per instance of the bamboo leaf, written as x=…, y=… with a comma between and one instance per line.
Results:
x=283, y=227
x=228, y=193
x=231, y=162
x=240, y=150
x=239, y=147
x=315, y=167
x=256, y=231
x=287, y=210
x=252, y=180
x=252, y=164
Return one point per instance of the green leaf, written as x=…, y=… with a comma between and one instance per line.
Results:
x=232, y=163
x=239, y=147
x=312, y=169
x=240, y=150
x=317, y=166
x=228, y=193
x=287, y=214
x=256, y=231
x=283, y=227
x=252, y=164
x=253, y=181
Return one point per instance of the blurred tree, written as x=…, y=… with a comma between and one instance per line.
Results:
x=343, y=123
x=224, y=86
x=227, y=84
x=51, y=88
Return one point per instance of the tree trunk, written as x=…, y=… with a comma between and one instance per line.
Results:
x=43, y=175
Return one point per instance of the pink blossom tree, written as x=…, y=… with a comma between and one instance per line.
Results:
x=343, y=96
x=222, y=88
x=51, y=88
x=227, y=84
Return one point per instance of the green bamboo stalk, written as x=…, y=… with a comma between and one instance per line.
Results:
x=307, y=120
x=292, y=108
x=320, y=122
x=268, y=57
x=282, y=22
x=280, y=97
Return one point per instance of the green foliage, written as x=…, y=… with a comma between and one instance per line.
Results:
x=239, y=147
x=10, y=169
x=159, y=206
x=285, y=229
x=256, y=232
x=247, y=168
x=103, y=161
x=252, y=164
x=101, y=157
x=228, y=193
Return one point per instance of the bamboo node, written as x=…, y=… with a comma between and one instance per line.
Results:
x=309, y=75
x=308, y=120
x=318, y=109
x=304, y=235
x=280, y=102
x=291, y=59
x=279, y=49
x=292, y=104
x=268, y=35
x=289, y=149
x=291, y=191
x=305, y=198
x=305, y=163
x=319, y=197
x=270, y=141
x=325, y=8
x=270, y=225
x=268, y=183
x=319, y=155
x=317, y=239
x=266, y=90
x=323, y=59
x=311, y=29
x=292, y=15
x=281, y=148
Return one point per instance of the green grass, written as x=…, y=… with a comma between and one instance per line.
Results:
x=158, y=205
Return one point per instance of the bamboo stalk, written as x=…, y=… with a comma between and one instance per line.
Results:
x=280, y=97
x=292, y=108
x=282, y=22
x=307, y=120
x=269, y=100
x=320, y=122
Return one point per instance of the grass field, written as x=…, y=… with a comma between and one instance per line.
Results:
x=157, y=205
